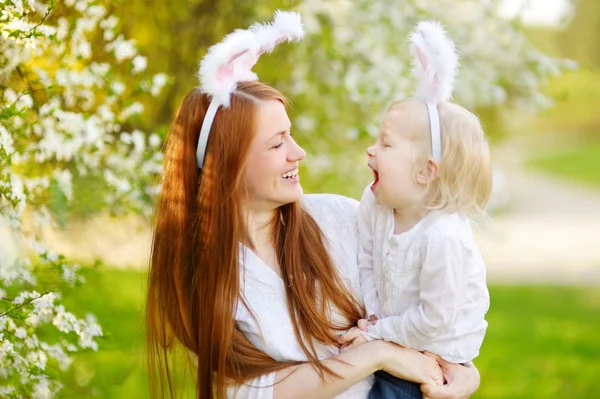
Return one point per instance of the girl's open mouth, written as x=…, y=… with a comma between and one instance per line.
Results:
x=376, y=179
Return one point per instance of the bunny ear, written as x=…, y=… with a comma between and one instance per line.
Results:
x=435, y=63
x=221, y=67
x=231, y=61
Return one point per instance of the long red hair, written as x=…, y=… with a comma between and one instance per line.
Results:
x=193, y=286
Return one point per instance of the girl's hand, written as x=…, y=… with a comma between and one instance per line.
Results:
x=461, y=381
x=363, y=324
x=411, y=365
x=351, y=339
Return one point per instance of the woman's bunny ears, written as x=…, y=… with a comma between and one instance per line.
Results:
x=435, y=65
x=231, y=61
x=435, y=62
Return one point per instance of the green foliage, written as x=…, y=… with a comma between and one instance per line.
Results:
x=174, y=36
x=581, y=39
x=576, y=93
x=577, y=103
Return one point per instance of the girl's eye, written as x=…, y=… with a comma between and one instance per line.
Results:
x=278, y=145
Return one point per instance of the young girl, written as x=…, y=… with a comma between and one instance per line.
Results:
x=422, y=276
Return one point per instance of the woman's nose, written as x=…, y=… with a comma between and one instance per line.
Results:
x=297, y=153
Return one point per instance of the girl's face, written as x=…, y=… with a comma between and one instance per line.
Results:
x=271, y=174
x=393, y=159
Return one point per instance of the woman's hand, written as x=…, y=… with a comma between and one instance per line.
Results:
x=410, y=365
x=461, y=381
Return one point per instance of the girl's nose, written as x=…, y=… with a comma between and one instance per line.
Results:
x=371, y=151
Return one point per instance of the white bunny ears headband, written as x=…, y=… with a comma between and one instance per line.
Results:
x=231, y=61
x=435, y=66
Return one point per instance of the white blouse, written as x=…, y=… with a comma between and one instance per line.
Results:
x=271, y=329
x=427, y=285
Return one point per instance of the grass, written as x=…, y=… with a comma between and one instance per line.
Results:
x=577, y=162
x=116, y=298
x=542, y=341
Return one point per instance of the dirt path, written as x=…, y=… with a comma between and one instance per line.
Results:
x=550, y=231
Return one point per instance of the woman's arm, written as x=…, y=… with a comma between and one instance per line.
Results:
x=354, y=365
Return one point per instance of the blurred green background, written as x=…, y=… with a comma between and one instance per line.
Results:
x=541, y=244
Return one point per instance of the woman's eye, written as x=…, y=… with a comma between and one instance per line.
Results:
x=278, y=145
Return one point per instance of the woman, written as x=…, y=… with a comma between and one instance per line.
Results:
x=255, y=279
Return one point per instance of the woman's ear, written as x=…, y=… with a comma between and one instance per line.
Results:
x=429, y=174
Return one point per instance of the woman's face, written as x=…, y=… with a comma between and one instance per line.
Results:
x=271, y=174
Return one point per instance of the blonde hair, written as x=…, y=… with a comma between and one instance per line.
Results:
x=464, y=181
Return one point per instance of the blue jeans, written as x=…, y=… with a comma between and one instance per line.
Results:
x=387, y=386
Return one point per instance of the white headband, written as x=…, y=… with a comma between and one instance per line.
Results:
x=435, y=65
x=231, y=61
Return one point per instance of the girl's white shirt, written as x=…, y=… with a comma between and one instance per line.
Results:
x=266, y=321
x=427, y=285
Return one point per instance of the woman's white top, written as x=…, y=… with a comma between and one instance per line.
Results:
x=264, y=292
x=427, y=285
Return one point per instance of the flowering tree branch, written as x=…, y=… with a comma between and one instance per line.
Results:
x=27, y=302
x=74, y=130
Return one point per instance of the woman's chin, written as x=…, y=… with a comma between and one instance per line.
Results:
x=290, y=194
x=296, y=193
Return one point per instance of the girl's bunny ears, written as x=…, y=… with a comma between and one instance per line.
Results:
x=435, y=65
x=435, y=62
x=231, y=61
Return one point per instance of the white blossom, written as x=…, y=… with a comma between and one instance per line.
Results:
x=20, y=333
x=123, y=49
x=133, y=109
x=65, y=182
x=139, y=64
x=117, y=87
x=158, y=82
x=154, y=140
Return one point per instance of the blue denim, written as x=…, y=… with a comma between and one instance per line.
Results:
x=387, y=386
